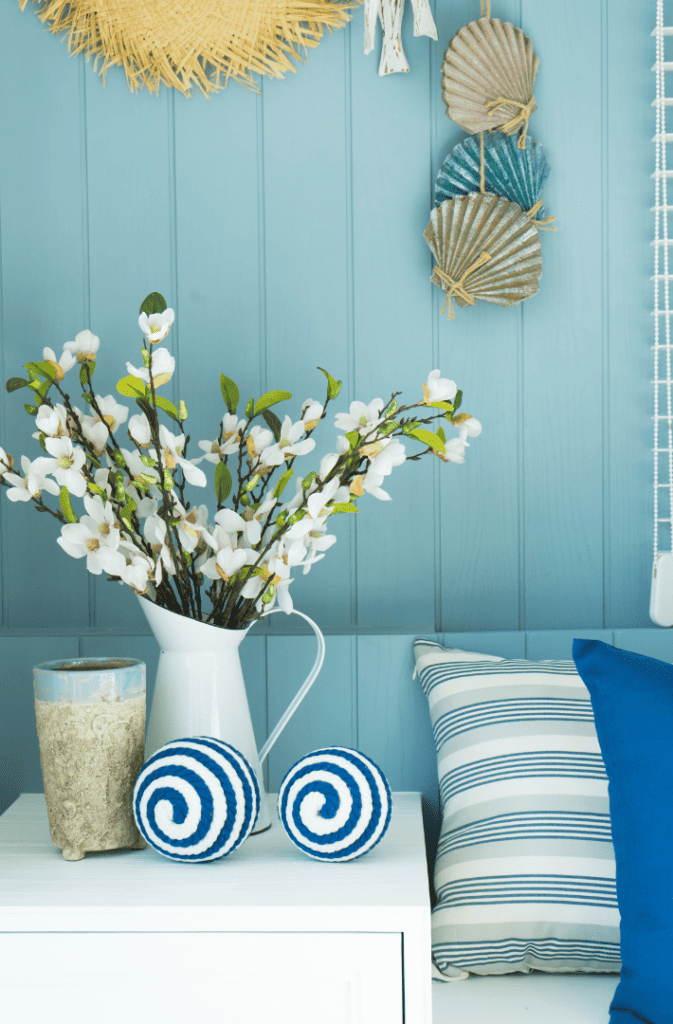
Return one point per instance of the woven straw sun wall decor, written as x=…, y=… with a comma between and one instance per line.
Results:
x=178, y=42
x=484, y=230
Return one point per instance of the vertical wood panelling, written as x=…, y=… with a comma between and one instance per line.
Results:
x=44, y=289
x=129, y=219
x=306, y=237
x=393, y=325
x=558, y=643
x=563, y=372
x=629, y=190
x=500, y=644
x=480, y=551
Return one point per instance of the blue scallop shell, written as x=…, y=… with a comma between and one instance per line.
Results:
x=513, y=173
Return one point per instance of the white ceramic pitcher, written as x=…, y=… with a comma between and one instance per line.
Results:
x=199, y=690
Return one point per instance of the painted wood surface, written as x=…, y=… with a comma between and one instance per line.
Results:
x=286, y=231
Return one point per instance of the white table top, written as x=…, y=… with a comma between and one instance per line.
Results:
x=260, y=882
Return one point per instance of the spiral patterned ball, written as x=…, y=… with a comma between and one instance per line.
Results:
x=196, y=799
x=335, y=804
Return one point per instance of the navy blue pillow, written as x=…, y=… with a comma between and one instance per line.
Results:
x=632, y=698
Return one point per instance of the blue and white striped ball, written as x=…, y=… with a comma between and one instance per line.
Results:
x=335, y=804
x=196, y=799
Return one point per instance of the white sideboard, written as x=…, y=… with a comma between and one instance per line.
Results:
x=266, y=936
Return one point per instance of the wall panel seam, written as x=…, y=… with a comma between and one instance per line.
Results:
x=605, y=311
x=86, y=267
x=173, y=236
x=350, y=289
x=261, y=233
x=436, y=468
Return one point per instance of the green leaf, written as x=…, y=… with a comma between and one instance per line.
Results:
x=333, y=386
x=391, y=409
x=128, y=508
x=32, y=409
x=432, y=440
x=132, y=387
x=388, y=428
x=457, y=401
x=86, y=397
x=267, y=596
x=119, y=459
x=280, y=486
x=250, y=407
x=66, y=507
x=446, y=406
x=408, y=428
x=270, y=398
x=353, y=436
x=83, y=379
x=223, y=482
x=230, y=393
x=343, y=506
x=167, y=406
x=153, y=303
x=147, y=460
x=182, y=411
x=169, y=482
x=273, y=423
x=441, y=434
x=281, y=520
x=14, y=383
x=46, y=369
x=251, y=484
x=42, y=444
x=308, y=480
x=95, y=489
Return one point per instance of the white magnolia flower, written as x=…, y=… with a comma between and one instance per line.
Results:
x=316, y=512
x=363, y=418
x=6, y=462
x=95, y=428
x=454, y=451
x=253, y=520
x=157, y=325
x=439, y=389
x=137, y=572
x=327, y=464
x=384, y=455
x=372, y=485
x=84, y=347
x=80, y=540
x=163, y=368
x=192, y=526
x=319, y=542
x=100, y=478
x=257, y=441
x=155, y=534
x=229, y=521
x=289, y=445
x=62, y=365
x=232, y=429
x=223, y=565
x=276, y=574
x=139, y=429
x=100, y=519
x=33, y=481
x=311, y=413
x=66, y=465
x=135, y=467
x=469, y=428
x=52, y=422
x=172, y=457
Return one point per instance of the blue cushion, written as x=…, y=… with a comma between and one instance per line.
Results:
x=632, y=698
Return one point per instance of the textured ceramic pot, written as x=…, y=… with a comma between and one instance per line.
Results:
x=90, y=715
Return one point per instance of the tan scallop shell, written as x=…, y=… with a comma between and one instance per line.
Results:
x=461, y=230
x=485, y=61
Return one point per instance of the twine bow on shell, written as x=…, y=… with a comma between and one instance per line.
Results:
x=525, y=110
x=458, y=288
x=543, y=225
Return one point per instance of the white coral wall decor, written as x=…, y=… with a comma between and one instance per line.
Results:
x=390, y=14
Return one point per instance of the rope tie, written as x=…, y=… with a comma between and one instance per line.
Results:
x=525, y=110
x=458, y=288
x=541, y=224
x=482, y=177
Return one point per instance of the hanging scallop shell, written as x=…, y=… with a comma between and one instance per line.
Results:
x=489, y=61
x=486, y=248
x=515, y=174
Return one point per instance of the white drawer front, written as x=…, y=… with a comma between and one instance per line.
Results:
x=206, y=977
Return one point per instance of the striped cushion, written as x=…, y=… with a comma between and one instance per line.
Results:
x=525, y=869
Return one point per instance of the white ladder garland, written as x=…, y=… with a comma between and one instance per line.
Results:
x=661, y=602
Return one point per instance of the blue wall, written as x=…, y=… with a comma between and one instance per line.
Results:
x=286, y=230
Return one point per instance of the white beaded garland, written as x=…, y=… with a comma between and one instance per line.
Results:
x=196, y=799
x=335, y=804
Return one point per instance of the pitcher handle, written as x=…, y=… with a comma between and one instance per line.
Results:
x=303, y=689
